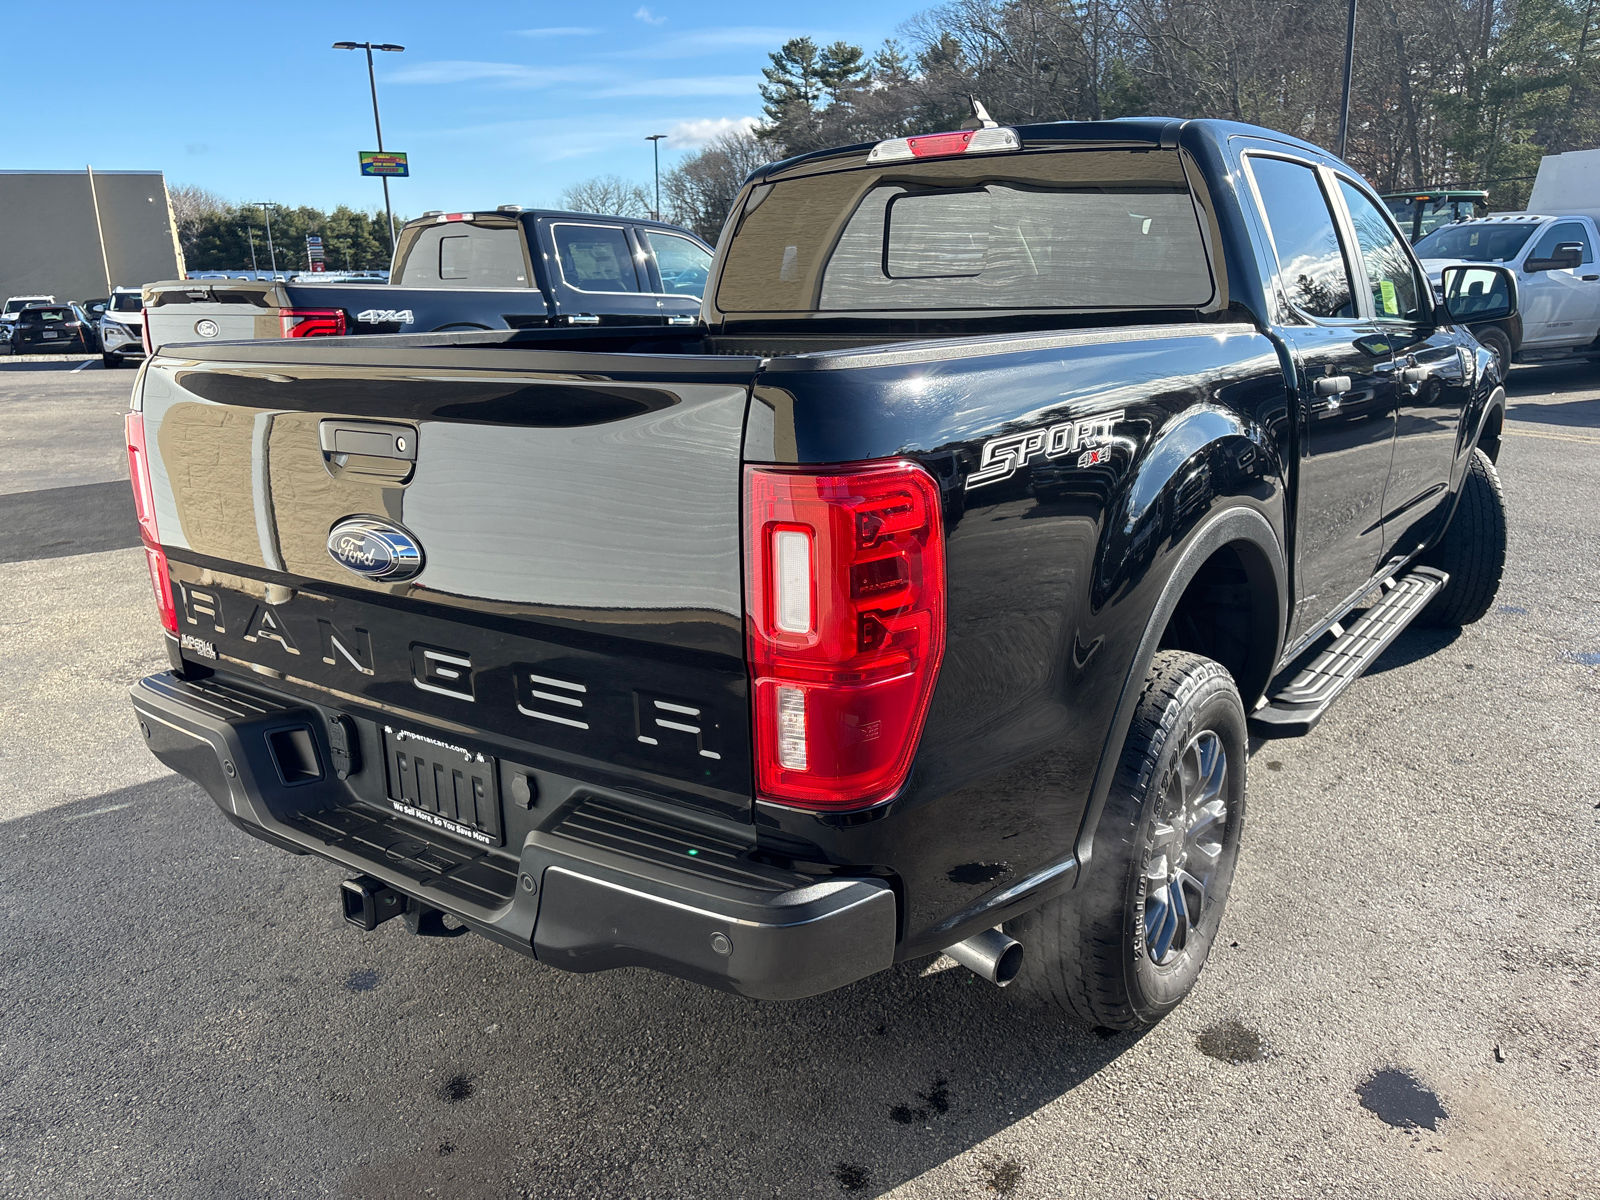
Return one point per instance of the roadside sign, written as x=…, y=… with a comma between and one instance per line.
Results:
x=387, y=162
x=314, y=254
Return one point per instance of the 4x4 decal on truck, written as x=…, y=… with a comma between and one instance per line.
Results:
x=376, y=316
x=1002, y=456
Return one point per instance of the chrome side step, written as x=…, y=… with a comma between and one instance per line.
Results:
x=1295, y=710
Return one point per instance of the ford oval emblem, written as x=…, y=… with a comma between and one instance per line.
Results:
x=206, y=327
x=375, y=548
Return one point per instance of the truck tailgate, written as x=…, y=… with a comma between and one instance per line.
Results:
x=575, y=519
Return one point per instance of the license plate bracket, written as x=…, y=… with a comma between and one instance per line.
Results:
x=444, y=786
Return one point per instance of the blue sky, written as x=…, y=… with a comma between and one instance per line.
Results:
x=496, y=103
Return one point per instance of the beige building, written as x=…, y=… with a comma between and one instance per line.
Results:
x=75, y=235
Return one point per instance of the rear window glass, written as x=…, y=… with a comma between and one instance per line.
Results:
x=1097, y=229
x=595, y=258
x=45, y=316
x=465, y=254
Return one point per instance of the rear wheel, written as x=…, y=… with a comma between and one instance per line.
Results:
x=1498, y=343
x=1124, y=947
x=1472, y=551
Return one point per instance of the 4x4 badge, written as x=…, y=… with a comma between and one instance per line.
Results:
x=375, y=548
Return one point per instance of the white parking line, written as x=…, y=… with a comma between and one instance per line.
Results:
x=80, y=366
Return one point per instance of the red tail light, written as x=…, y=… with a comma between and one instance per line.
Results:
x=144, y=331
x=846, y=611
x=144, y=505
x=312, y=322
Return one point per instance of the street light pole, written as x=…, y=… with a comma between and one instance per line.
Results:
x=377, y=123
x=655, y=144
x=266, y=207
x=254, y=270
x=1349, y=63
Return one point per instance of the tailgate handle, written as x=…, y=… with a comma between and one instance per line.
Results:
x=372, y=439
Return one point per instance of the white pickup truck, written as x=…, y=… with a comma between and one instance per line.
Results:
x=1558, y=281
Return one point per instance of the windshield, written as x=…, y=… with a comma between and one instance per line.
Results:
x=1072, y=229
x=127, y=302
x=1475, y=243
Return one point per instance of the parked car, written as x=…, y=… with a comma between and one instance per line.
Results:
x=506, y=269
x=88, y=326
x=929, y=586
x=122, y=327
x=1420, y=213
x=15, y=304
x=47, y=329
x=1555, y=274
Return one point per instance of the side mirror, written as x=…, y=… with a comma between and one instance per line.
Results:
x=1565, y=257
x=1475, y=294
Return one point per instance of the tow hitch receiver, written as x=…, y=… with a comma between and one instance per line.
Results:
x=368, y=903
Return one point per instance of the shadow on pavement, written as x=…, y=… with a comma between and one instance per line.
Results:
x=1547, y=384
x=238, y=1037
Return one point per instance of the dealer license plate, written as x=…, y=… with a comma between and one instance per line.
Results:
x=443, y=785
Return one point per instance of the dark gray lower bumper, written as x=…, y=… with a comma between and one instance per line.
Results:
x=571, y=905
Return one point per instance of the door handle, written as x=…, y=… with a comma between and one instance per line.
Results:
x=1590, y=278
x=1413, y=374
x=1331, y=385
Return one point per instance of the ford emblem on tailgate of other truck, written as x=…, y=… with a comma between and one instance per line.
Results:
x=206, y=327
x=375, y=548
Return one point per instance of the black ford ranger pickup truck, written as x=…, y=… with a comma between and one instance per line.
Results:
x=922, y=597
x=507, y=269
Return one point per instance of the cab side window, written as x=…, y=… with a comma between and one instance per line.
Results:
x=1567, y=231
x=1310, y=262
x=596, y=258
x=1396, y=294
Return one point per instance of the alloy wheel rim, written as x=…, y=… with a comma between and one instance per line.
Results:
x=1185, y=848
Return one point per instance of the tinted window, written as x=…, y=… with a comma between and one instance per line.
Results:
x=1082, y=229
x=465, y=254
x=1475, y=243
x=1310, y=263
x=45, y=316
x=1396, y=294
x=595, y=258
x=127, y=302
x=684, y=265
x=1567, y=231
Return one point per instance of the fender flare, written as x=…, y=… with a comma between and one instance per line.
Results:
x=1236, y=524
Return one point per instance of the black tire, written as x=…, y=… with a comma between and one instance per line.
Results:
x=1092, y=952
x=1498, y=343
x=110, y=361
x=1472, y=551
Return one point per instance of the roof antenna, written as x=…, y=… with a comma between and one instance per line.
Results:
x=980, y=116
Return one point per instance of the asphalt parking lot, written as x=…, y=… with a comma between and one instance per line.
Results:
x=1402, y=1002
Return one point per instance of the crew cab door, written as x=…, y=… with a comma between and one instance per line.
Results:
x=1429, y=372
x=599, y=275
x=1562, y=305
x=1343, y=363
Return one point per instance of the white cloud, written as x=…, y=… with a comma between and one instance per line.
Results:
x=561, y=31
x=699, y=85
x=648, y=17
x=689, y=135
x=509, y=74
x=713, y=41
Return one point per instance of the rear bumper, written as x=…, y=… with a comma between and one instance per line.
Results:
x=570, y=903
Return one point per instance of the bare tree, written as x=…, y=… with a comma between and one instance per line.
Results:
x=192, y=208
x=700, y=190
x=608, y=195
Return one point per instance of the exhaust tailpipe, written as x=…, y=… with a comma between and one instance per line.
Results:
x=991, y=954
